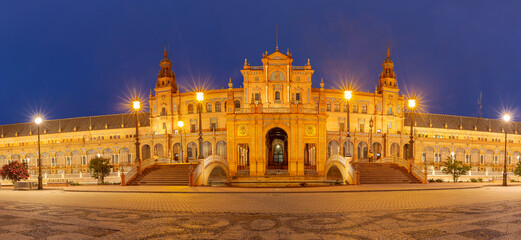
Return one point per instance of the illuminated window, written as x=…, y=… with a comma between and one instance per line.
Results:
x=218, y=107
x=190, y=108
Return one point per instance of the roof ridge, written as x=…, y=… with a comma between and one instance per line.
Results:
x=106, y=115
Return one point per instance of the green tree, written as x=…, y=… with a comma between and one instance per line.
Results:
x=455, y=168
x=517, y=171
x=99, y=168
x=14, y=171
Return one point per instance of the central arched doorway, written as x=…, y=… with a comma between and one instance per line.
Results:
x=277, y=148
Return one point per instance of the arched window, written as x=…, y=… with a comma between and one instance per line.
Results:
x=277, y=96
x=316, y=105
x=208, y=107
x=355, y=108
x=337, y=107
x=190, y=108
x=237, y=104
x=364, y=108
x=328, y=106
x=225, y=106
x=218, y=107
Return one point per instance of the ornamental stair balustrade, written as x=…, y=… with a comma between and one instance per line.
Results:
x=202, y=171
x=345, y=167
x=127, y=177
x=418, y=173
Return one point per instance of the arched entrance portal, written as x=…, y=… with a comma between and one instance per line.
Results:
x=277, y=148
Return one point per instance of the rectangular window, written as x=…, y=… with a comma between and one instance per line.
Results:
x=390, y=125
x=164, y=126
x=53, y=161
x=361, y=127
x=482, y=159
x=495, y=159
x=192, y=128
x=213, y=126
x=424, y=156
x=163, y=111
x=83, y=160
x=298, y=97
x=257, y=96
x=68, y=160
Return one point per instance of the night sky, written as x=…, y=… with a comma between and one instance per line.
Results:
x=81, y=58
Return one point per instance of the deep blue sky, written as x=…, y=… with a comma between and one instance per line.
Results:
x=80, y=58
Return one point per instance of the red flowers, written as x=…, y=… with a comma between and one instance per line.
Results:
x=14, y=171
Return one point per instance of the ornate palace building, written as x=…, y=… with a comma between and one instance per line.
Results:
x=277, y=127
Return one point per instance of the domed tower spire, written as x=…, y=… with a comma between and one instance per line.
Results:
x=387, y=77
x=166, y=77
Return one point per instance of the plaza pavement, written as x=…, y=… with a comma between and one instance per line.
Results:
x=485, y=212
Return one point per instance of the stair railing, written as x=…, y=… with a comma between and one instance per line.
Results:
x=133, y=172
x=129, y=176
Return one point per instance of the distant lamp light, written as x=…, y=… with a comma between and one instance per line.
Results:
x=136, y=105
x=180, y=124
x=38, y=120
x=199, y=96
x=99, y=155
x=506, y=117
x=348, y=95
x=412, y=103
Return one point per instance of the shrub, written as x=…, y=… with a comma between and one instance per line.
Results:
x=474, y=180
x=14, y=171
x=99, y=168
x=455, y=168
x=480, y=179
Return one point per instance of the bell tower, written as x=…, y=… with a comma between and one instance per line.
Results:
x=161, y=101
x=165, y=77
x=387, y=77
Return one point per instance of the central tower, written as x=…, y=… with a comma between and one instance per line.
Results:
x=277, y=83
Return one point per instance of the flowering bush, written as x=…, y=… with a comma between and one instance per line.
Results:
x=14, y=171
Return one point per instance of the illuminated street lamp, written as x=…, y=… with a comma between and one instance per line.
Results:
x=200, y=98
x=181, y=124
x=411, y=104
x=136, y=106
x=347, y=96
x=38, y=120
x=506, y=118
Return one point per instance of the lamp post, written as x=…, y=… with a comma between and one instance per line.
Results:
x=411, y=104
x=200, y=98
x=370, y=155
x=180, y=124
x=348, y=95
x=136, y=106
x=38, y=120
x=506, y=118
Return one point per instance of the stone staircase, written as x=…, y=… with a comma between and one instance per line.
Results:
x=384, y=173
x=165, y=175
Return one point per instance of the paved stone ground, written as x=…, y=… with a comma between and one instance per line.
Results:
x=484, y=213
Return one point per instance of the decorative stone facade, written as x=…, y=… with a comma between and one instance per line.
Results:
x=276, y=122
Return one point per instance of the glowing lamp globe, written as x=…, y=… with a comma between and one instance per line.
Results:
x=506, y=117
x=180, y=124
x=38, y=120
x=348, y=95
x=199, y=96
x=136, y=105
x=412, y=103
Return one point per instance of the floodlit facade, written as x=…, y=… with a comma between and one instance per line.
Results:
x=276, y=124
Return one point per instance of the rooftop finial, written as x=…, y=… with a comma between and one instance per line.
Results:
x=165, y=50
x=230, y=84
x=277, y=37
x=388, y=52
